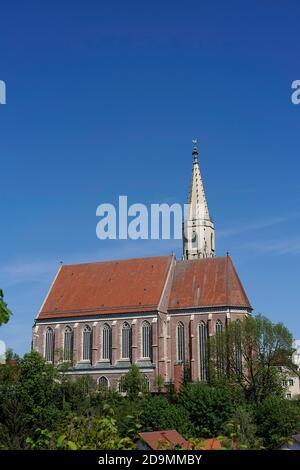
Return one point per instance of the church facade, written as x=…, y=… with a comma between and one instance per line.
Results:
x=156, y=312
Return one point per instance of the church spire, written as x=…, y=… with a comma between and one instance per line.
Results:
x=199, y=232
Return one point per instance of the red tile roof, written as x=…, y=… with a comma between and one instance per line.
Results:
x=140, y=285
x=205, y=283
x=163, y=440
x=133, y=285
x=211, y=444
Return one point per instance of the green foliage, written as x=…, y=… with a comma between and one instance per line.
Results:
x=241, y=429
x=134, y=383
x=82, y=433
x=5, y=313
x=41, y=407
x=160, y=383
x=209, y=408
x=40, y=391
x=158, y=413
x=276, y=420
x=262, y=346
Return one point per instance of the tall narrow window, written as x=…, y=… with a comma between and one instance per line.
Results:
x=146, y=383
x=165, y=332
x=219, y=347
x=180, y=342
x=106, y=342
x=87, y=344
x=68, y=344
x=126, y=341
x=121, y=384
x=203, y=351
x=49, y=345
x=146, y=340
x=238, y=349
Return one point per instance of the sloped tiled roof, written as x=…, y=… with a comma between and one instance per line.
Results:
x=207, y=282
x=163, y=440
x=133, y=285
x=143, y=285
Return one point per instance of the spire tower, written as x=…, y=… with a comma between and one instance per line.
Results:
x=199, y=231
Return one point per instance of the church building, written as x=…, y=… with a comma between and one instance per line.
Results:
x=156, y=312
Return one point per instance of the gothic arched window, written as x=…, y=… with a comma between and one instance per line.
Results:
x=103, y=382
x=68, y=344
x=146, y=340
x=126, y=341
x=180, y=342
x=106, y=342
x=87, y=344
x=121, y=384
x=203, y=350
x=219, y=346
x=49, y=345
x=238, y=348
x=146, y=383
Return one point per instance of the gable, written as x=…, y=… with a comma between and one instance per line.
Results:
x=207, y=282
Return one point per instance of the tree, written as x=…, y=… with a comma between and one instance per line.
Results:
x=82, y=433
x=134, y=383
x=40, y=391
x=250, y=352
x=157, y=413
x=5, y=313
x=209, y=407
x=276, y=420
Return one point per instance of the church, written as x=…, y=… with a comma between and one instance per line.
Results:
x=156, y=312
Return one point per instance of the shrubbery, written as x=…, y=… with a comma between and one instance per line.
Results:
x=276, y=419
x=158, y=413
x=208, y=407
x=42, y=408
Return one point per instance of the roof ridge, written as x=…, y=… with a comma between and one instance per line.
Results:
x=119, y=260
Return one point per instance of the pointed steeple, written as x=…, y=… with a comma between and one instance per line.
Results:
x=197, y=199
x=199, y=234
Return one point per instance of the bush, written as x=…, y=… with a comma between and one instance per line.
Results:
x=209, y=408
x=158, y=413
x=277, y=419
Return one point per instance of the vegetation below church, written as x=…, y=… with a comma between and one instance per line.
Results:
x=41, y=408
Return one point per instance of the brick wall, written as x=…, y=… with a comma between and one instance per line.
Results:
x=164, y=343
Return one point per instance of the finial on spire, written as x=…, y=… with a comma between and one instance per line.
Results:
x=195, y=149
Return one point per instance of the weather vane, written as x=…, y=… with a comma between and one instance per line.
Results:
x=194, y=141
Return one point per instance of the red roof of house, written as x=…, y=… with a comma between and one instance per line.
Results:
x=143, y=285
x=163, y=440
x=211, y=444
x=133, y=285
x=207, y=282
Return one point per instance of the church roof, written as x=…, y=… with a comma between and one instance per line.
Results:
x=207, y=282
x=132, y=285
x=143, y=285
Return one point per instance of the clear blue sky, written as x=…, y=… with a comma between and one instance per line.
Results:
x=103, y=98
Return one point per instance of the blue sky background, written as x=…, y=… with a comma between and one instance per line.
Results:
x=103, y=98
